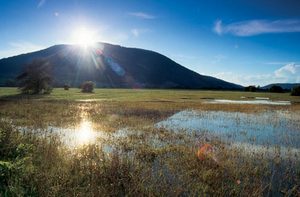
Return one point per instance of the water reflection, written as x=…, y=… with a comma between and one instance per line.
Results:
x=73, y=137
x=85, y=134
x=275, y=128
x=258, y=101
x=80, y=135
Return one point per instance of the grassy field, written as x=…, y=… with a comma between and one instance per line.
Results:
x=133, y=95
x=148, y=161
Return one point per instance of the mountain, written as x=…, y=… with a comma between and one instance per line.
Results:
x=287, y=86
x=112, y=66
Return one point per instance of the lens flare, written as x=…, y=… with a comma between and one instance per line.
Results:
x=117, y=68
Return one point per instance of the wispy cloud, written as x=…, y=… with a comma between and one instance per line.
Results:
x=289, y=73
x=16, y=48
x=41, y=3
x=256, y=27
x=137, y=32
x=142, y=15
x=218, y=27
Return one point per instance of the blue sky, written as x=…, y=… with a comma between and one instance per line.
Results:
x=247, y=42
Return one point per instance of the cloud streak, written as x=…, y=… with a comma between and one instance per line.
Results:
x=41, y=3
x=141, y=15
x=257, y=27
x=289, y=73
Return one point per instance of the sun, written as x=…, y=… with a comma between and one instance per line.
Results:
x=83, y=37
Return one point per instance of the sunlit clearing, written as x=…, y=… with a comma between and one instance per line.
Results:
x=85, y=134
x=84, y=37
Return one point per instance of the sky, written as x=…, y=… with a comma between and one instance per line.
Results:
x=248, y=42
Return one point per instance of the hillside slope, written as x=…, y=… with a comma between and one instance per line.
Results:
x=112, y=66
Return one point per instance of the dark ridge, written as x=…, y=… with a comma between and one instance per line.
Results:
x=112, y=66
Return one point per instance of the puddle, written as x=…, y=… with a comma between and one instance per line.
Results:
x=89, y=100
x=83, y=134
x=264, y=131
x=258, y=101
x=257, y=98
x=262, y=98
x=274, y=128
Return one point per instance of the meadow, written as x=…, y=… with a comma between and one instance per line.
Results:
x=108, y=143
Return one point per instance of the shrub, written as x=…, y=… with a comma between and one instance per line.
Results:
x=296, y=91
x=276, y=89
x=87, y=86
x=66, y=87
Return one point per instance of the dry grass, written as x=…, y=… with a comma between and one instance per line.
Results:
x=148, y=162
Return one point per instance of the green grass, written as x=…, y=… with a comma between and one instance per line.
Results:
x=146, y=95
x=41, y=166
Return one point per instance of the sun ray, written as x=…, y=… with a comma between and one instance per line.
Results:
x=83, y=37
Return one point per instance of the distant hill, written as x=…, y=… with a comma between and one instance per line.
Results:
x=287, y=86
x=112, y=66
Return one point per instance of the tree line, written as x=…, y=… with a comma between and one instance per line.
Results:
x=295, y=91
x=37, y=78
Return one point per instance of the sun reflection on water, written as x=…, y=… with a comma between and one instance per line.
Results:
x=85, y=133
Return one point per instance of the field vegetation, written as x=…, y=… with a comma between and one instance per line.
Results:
x=140, y=159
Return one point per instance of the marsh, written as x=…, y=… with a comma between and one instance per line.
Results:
x=127, y=145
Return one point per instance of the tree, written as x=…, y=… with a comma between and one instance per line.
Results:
x=296, y=91
x=276, y=89
x=250, y=89
x=87, y=86
x=36, y=77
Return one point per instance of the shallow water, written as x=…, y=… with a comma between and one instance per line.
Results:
x=81, y=135
x=273, y=128
x=258, y=101
x=89, y=100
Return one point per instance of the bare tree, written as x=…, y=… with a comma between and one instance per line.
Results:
x=36, y=77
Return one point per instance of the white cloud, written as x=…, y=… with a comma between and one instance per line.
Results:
x=218, y=27
x=256, y=27
x=289, y=73
x=17, y=48
x=41, y=3
x=142, y=15
x=137, y=32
